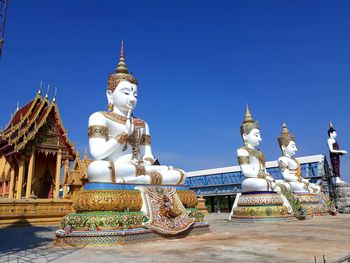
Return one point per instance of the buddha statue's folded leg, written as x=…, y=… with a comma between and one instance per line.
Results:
x=127, y=172
x=100, y=171
x=149, y=174
x=314, y=188
x=256, y=184
x=284, y=184
x=151, y=168
x=168, y=177
x=299, y=187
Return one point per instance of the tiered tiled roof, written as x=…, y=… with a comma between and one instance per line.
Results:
x=27, y=121
x=77, y=176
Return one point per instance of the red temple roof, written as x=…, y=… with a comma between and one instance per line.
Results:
x=27, y=121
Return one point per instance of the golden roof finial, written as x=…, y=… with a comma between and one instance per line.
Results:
x=121, y=68
x=330, y=124
x=41, y=84
x=47, y=91
x=86, y=157
x=54, y=97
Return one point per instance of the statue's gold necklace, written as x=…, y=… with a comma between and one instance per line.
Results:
x=115, y=117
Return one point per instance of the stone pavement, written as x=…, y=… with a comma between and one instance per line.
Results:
x=297, y=241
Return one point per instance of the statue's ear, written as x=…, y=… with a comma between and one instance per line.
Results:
x=283, y=148
x=109, y=95
x=244, y=136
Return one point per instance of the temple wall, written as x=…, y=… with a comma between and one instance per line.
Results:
x=33, y=211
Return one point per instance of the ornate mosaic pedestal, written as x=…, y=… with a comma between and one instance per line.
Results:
x=314, y=204
x=261, y=207
x=121, y=237
x=110, y=214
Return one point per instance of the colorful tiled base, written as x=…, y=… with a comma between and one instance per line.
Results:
x=312, y=204
x=261, y=207
x=120, y=237
x=121, y=200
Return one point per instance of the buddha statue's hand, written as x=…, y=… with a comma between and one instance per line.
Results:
x=266, y=176
x=129, y=126
x=270, y=178
x=261, y=175
x=148, y=159
x=305, y=181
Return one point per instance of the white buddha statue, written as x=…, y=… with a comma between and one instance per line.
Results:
x=290, y=167
x=120, y=143
x=251, y=160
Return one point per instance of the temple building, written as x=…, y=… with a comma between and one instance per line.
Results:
x=34, y=149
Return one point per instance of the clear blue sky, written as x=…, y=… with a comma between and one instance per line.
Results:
x=197, y=62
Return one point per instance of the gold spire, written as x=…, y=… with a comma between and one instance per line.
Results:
x=248, y=122
x=248, y=116
x=121, y=68
x=285, y=130
x=121, y=72
x=330, y=124
x=285, y=137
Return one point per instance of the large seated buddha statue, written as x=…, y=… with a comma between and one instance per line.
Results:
x=251, y=160
x=290, y=167
x=126, y=189
x=120, y=143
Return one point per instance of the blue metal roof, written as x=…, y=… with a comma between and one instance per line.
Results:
x=230, y=183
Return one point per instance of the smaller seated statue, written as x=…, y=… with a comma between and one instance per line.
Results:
x=252, y=161
x=334, y=153
x=120, y=143
x=290, y=167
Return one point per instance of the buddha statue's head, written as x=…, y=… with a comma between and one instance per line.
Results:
x=286, y=142
x=250, y=130
x=122, y=88
x=331, y=132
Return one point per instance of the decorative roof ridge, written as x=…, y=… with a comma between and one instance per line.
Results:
x=41, y=123
x=34, y=116
x=9, y=129
x=29, y=124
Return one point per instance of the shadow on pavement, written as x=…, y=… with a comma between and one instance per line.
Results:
x=29, y=243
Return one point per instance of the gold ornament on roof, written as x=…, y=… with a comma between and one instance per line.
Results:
x=248, y=122
x=286, y=137
x=121, y=73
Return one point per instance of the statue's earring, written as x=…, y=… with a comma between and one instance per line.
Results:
x=110, y=106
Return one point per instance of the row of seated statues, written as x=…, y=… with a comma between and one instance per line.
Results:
x=253, y=166
x=120, y=143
